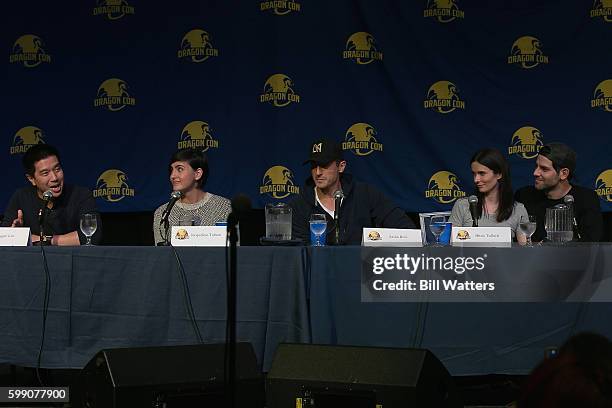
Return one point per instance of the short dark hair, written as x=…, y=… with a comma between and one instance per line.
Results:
x=561, y=156
x=37, y=153
x=495, y=160
x=196, y=159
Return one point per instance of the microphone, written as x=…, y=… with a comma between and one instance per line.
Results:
x=47, y=196
x=338, y=196
x=174, y=197
x=569, y=201
x=473, y=200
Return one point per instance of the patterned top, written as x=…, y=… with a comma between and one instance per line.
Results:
x=209, y=210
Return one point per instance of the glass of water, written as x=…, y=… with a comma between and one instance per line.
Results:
x=528, y=227
x=89, y=225
x=318, y=225
x=436, y=226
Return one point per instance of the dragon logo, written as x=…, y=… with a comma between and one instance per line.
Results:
x=197, y=135
x=278, y=90
x=182, y=233
x=444, y=187
x=603, y=185
x=278, y=183
x=25, y=138
x=360, y=138
x=602, y=8
x=112, y=186
x=602, y=97
x=463, y=235
x=280, y=7
x=361, y=47
x=113, y=94
x=113, y=9
x=196, y=46
x=527, y=53
x=443, y=97
x=29, y=50
x=526, y=142
x=443, y=11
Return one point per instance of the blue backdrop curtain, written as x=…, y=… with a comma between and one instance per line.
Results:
x=412, y=88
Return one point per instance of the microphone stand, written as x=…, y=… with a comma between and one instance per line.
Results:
x=336, y=220
x=231, y=307
x=41, y=221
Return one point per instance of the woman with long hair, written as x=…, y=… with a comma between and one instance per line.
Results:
x=496, y=206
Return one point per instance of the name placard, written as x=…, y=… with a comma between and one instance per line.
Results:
x=15, y=236
x=391, y=237
x=199, y=236
x=481, y=236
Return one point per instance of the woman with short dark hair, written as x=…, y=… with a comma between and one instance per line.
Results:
x=188, y=169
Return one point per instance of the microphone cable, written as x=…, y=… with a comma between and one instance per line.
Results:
x=47, y=293
x=187, y=295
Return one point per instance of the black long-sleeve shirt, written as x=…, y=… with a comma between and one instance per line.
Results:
x=363, y=206
x=586, y=209
x=63, y=218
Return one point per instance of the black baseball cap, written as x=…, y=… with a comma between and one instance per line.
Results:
x=561, y=155
x=324, y=151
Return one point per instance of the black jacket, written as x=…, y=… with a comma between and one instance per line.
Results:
x=363, y=206
x=586, y=209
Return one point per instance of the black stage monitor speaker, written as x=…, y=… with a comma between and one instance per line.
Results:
x=169, y=377
x=308, y=376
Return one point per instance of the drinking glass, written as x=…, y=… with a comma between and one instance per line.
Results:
x=527, y=225
x=436, y=226
x=318, y=225
x=89, y=225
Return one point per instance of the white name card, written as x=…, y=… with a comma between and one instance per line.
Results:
x=198, y=236
x=391, y=237
x=481, y=236
x=15, y=236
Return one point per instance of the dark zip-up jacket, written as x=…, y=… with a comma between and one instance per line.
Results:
x=363, y=206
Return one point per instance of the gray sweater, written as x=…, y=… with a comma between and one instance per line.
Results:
x=461, y=217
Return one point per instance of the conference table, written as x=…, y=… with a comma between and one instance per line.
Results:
x=109, y=297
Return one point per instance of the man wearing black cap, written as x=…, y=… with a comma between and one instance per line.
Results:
x=361, y=205
x=555, y=166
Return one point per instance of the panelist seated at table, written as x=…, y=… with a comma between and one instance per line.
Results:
x=496, y=206
x=362, y=205
x=188, y=169
x=555, y=167
x=64, y=205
